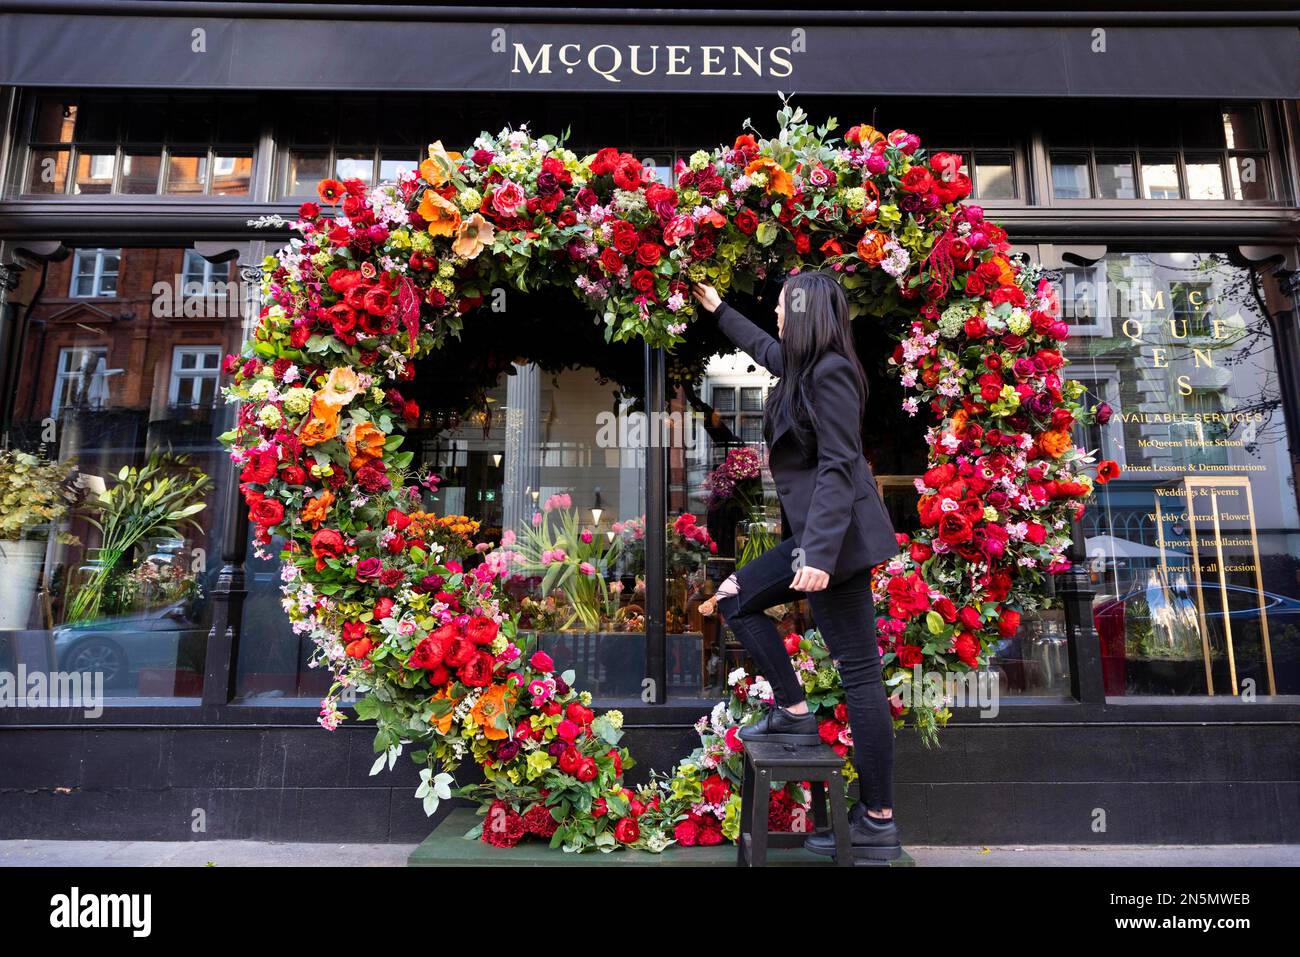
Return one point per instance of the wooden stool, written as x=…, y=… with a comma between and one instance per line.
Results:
x=765, y=763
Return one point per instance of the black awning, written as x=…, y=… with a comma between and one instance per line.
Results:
x=199, y=52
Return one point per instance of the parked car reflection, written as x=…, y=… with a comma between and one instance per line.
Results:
x=154, y=652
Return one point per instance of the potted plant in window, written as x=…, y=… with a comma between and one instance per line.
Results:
x=34, y=496
x=159, y=498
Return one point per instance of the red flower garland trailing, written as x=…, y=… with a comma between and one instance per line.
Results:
x=378, y=277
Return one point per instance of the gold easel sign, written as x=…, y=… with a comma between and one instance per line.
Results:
x=1214, y=486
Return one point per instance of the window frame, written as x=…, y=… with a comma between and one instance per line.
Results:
x=198, y=373
x=97, y=274
x=62, y=375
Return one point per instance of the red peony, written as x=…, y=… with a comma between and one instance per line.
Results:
x=477, y=672
x=481, y=630
x=686, y=833
x=954, y=528
x=626, y=831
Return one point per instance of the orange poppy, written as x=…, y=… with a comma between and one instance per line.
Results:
x=472, y=236
x=959, y=422
x=443, y=724
x=365, y=444
x=316, y=510
x=437, y=169
x=340, y=388
x=440, y=213
x=495, y=701
x=871, y=247
x=323, y=423
x=778, y=180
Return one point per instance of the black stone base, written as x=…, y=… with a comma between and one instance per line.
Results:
x=1095, y=783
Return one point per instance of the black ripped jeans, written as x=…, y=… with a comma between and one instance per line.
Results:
x=846, y=616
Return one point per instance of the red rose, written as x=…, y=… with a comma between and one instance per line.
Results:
x=967, y=647
x=481, y=630
x=610, y=260
x=570, y=759
x=643, y=280
x=259, y=468
x=715, y=789
x=293, y=475
x=649, y=254
x=746, y=221
x=587, y=770
x=626, y=831
x=576, y=713
x=969, y=618
x=625, y=239
x=397, y=518
x=383, y=609
x=909, y=656
x=266, y=512
x=946, y=609
x=1008, y=623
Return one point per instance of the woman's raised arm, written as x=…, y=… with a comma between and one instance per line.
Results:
x=747, y=336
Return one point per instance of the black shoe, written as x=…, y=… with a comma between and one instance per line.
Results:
x=779, y=726
x=873, y=839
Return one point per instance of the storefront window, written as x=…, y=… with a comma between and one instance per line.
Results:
x=1193, y=547
x=545, y=458
x=113, y=474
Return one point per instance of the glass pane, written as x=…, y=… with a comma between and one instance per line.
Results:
x=751, y=398
x=95, y=173
x=1187, y=365
x=1204, y=178
x=355, y=166
x=1249, y=176
x=1115, y=178
x=47, y=171
x=140, y=173
x=231, y=175
x=1070, y=176
x=125, y=606
x=305, y=171
x=187, y=174
x=97, y=121
x=993, y=175
x=390, y=164
x=1242, y=129
x=55, y=121
x=724, y=398
x=1160, y=177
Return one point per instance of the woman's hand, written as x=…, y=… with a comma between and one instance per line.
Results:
x=808, y=578
x=706, y=296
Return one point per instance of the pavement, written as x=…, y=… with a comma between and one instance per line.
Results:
x=271, y=854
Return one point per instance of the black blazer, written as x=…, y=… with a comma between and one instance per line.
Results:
x=828, y=494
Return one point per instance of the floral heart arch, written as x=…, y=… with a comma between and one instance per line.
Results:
x=379, y=277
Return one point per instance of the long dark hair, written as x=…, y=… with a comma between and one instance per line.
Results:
x=816, y=322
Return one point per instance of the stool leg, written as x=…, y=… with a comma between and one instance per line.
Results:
x=818, y=805
x=840, y=821
x=761, y=808
x=746, y=811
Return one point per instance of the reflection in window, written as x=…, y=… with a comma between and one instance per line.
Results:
x=120, y=580
x=1205, y=510
x=94, y=272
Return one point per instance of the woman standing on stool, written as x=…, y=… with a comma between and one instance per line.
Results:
x=839, y=531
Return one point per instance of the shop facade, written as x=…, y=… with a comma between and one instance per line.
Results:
x=1160, y=703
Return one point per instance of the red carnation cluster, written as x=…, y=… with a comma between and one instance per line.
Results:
x=456, y=650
